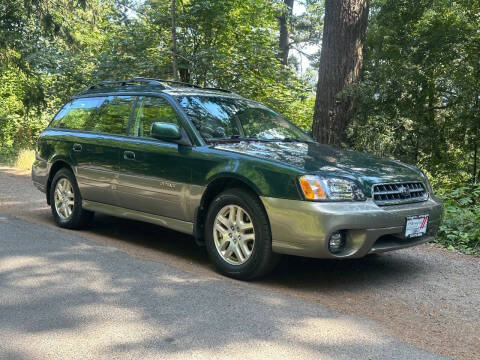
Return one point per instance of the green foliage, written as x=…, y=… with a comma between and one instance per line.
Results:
x=51, y=49
x=419, y=100
x=8, y=155
x=19, y=122
x=226, y=43
x=461, y=225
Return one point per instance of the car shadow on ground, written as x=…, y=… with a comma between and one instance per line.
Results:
x=319, y=274
x=62, y=292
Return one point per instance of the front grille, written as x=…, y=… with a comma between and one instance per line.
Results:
x=399, y=193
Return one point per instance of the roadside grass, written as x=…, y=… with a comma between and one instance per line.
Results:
x=25, y=159
x=18, y=158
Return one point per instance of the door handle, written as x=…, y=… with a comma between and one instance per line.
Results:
x=129, y=155
x=77, y=147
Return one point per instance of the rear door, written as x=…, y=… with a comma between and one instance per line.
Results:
x=154, y=175
x=98, y=126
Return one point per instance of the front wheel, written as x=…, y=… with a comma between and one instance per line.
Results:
x=66, y=201
x=238, y=236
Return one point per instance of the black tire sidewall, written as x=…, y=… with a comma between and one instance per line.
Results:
x=263, y=244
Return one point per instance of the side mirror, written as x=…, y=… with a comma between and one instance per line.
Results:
x=165, y=131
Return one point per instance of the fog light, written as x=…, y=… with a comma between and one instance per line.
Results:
x=336, y=242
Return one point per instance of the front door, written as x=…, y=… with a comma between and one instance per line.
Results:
x=154, y=175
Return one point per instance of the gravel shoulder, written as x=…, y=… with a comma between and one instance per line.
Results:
x=425, y=296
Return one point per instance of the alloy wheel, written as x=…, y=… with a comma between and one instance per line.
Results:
x=234, y=234
x=64, y=198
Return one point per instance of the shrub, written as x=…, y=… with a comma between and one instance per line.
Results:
x=460, y=228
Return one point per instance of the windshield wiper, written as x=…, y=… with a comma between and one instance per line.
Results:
x=239, y=138
x=253, y=138
x=288, y=139
x=233, y=137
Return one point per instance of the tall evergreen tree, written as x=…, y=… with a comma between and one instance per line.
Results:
x=340, y=64
x=284, y=21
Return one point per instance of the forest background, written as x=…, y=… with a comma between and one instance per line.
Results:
x=416, y=99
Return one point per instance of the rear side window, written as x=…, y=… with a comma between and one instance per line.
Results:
x=76, y=113
x=112, y=116
x=149, y=110
x=100, y=114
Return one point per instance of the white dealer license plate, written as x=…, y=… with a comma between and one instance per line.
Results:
x=416, y=226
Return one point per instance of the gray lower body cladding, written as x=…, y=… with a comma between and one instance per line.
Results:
x=303, y=228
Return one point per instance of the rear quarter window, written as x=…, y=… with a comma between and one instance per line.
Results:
x=108, y=114
x=75, y=114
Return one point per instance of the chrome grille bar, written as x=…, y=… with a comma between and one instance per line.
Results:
x=399, y=193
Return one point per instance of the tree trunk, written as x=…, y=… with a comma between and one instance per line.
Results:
x=340, y=65
x=184, y=75
x=174, y=41
x=475, y=155
x=284, y=39
x=476, y=172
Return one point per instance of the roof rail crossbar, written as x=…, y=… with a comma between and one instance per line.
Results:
x=217, y=89
x=150, y=81
x=125, y=82
x=180, y=83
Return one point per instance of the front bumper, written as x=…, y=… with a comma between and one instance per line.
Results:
x=303, y=228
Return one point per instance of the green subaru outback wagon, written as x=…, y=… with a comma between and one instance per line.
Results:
x=238, y=176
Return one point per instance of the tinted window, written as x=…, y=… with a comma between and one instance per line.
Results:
x=263, y=123
x=112, y=116
x=212, y=118
x=76, y=113
x=149, y=110
x=218, y=117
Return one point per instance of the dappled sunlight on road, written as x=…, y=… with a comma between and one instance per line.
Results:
x=398, y=289
x=61, y=293
x=335, y=331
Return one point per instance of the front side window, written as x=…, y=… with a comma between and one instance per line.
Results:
x=75, y=114
x=219, y=118
x=112, y=116
x=152, y=109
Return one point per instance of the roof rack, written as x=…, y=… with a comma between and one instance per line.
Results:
x=180, y=83
x=149, y=81
x=125, y=82
x=217, y=89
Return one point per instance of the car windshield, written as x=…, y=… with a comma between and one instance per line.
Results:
x=223, y=118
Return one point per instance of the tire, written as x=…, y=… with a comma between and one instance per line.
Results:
x=229, y=244
x=71, y=216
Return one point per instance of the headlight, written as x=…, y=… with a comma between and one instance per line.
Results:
x=319, y=188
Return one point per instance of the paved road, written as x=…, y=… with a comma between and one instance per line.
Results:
x=65, y=296
x=127, y=289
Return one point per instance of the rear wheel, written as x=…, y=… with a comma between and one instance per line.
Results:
x=66, y=201
x=238, y=236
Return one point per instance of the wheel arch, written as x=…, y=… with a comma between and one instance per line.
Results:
x=56, y=166
x=215, y=187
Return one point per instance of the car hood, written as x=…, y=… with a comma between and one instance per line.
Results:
x=315, y=158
